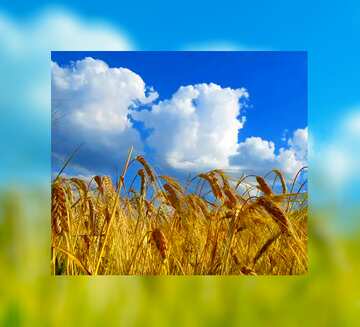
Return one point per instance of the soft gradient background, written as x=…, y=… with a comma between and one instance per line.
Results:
x=329, y=295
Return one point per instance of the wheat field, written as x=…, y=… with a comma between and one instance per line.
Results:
x=213, y=224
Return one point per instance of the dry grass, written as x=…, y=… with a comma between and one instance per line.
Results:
x=211, y=225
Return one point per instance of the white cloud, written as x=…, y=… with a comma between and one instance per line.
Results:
x=284, y=135
x=93, y=101
x=197, y=128
x=336, y=165
x=254, y=154
x=290, y=160
x=337, y=158
x=97, y=97
x=221, y=45
x=259, y=156
x=25, y=51
x=299, y=143
x=25, y=46
x=351, y=124
x=57, y=29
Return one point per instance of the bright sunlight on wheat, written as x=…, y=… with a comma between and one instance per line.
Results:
x=212, y=225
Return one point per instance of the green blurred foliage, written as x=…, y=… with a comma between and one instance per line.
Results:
x=329, y=295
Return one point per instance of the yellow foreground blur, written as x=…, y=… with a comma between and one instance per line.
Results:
x=329, y=295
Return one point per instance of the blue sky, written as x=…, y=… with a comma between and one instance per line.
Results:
x=277, y=82
x=275, y=107
x=327, y=31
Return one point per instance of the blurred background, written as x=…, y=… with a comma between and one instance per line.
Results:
x=328, y=295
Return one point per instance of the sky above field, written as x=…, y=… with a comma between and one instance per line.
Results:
x=184, y=111
x=328, y=32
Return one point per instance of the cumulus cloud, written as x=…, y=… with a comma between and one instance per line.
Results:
x=197, y=127
x=351, y=125
x=336, y=159
x=93, y=101
x=259, y=156
x=335, y=162
x=291, y=159
x=25, y=80
x=254, y=154
x=335, y=165
x=26, y=45
x=95, y=96
x=56, y=29
x=299, y=143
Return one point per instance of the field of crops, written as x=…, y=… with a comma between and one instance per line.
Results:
x=213, y=224
x=328, y=295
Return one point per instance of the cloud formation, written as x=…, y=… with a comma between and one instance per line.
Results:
x=197, y=128
x=25, y=82
x=26, y=45
x=254, y=154
x=258, y=155
x=93, y=103
x=337, y=159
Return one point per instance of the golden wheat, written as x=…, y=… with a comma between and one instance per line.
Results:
x=206, y=227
